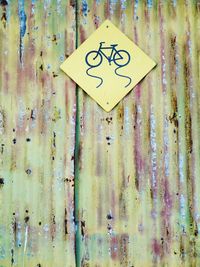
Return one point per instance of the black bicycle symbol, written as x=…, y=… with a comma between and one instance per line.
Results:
x=120, y=58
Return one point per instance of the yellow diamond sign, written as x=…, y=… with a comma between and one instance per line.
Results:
x=107, y=65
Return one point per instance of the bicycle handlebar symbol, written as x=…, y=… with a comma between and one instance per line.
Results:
x=120, y=58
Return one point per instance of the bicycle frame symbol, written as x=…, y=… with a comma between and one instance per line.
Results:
x=120, y=58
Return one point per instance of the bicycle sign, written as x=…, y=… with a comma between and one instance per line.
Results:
x=107, y=65
x=120, y=58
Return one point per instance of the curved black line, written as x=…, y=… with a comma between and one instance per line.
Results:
x=123, y=76
x=97, y=77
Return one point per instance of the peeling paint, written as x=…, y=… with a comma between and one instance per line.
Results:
x=81, y=187
x=22, y=26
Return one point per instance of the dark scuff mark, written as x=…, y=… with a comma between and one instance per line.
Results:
x=3, y=17
x=28, y=171
x=151, y=194
x=54, y=139
x=65, y=222
x=26, y=219
x=2, y=120
x=73, y=3
x=173, y=118
x=4, y=3
x=108, y=139
x=33, y=116
x=2, y=148
x=1, y=182
x=53, y=219
x=54, y=75
x=83, y=228
x=78, y=156
x=12, y=256
x=15, y=229
x=68, y=180
x=109, y=120
x=173, y=48
x=109, y=227
x=54, y=39
x=109, y=216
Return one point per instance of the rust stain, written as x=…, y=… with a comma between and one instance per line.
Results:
x=78, y=186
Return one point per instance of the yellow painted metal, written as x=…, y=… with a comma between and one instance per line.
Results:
x=138, y=186
x=37, y=108
x=136, y=196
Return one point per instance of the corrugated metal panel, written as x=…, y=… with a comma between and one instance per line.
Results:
x=136, y=168
x=37, y=134
x=138, y=187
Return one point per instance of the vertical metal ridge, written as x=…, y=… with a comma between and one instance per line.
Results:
x=76, y=157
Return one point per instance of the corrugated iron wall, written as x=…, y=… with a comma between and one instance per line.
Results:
x=82, y=187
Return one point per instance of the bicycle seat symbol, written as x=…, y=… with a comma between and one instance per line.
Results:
x=120, y=58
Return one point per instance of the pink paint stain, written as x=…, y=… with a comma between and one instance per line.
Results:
x=156, y=248
x=114, y=248
x=167, y=201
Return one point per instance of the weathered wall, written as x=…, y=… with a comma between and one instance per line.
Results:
x=135, y=199
x=37, y=134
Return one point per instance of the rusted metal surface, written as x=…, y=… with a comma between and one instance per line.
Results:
x=135, y=198
x=138, y=182
x=37, y=110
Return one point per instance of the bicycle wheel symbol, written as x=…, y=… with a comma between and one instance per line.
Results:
x=93, y=58
x=121, y=58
